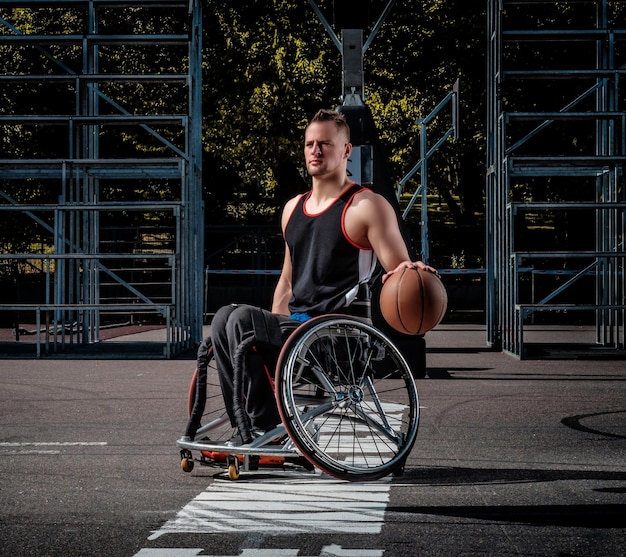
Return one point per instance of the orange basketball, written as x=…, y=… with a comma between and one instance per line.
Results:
x=413, y=301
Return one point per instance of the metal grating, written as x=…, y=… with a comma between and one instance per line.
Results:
x=556, y=156
x=101, y=251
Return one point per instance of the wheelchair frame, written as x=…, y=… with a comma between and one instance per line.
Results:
x=346, y=397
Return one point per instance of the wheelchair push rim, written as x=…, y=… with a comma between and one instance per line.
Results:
x=347, y=398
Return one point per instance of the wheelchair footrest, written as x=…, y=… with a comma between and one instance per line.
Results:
x=261, y=460
x=255, y=448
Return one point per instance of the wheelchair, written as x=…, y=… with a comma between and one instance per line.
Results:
x=346, y=398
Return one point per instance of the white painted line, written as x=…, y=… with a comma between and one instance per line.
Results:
x=44, y=447
x=39, y=452
x=284, y=506
x=168, y=552
x=327, y=551
x=56, y=444
x=338, y=551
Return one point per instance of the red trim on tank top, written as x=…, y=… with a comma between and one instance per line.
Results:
x=327, y=208
x=343, y=213
x=343, y=219
x=292, y=212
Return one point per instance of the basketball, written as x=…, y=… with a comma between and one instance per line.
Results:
x=413, y=301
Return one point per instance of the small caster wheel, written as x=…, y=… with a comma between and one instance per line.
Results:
x=186, y=464
x=186, y=460
x=233, y=468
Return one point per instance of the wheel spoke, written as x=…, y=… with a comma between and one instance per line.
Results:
x=347, y=398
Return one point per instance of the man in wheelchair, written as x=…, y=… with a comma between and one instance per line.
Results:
x=334, y=235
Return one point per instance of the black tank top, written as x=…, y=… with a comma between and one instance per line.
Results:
x=327, y=267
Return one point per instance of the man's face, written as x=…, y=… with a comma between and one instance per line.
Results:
x=326, y=149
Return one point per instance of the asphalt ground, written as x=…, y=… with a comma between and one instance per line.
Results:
x=514, y=457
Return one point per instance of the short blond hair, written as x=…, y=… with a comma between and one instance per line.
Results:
x=327, y=115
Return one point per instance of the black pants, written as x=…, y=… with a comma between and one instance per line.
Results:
x=231, y=326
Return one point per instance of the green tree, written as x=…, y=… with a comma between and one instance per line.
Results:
x=270, y=65
x=267, y=67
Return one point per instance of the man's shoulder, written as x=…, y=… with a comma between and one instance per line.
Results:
x=367, y=194
x=289, y=208
x=369, y=207
x=294, y=200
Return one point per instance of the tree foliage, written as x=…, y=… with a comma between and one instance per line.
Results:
x=268, y=65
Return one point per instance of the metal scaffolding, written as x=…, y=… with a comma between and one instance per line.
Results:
x=556, y=156
x=108, y=244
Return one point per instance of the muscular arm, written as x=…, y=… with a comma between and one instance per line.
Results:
x=282, y=292
x=372, y=221
x=385, y=237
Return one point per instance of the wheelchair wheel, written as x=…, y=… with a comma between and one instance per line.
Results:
x=347, y=398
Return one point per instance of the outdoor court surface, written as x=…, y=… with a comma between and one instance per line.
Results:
x=523, y=458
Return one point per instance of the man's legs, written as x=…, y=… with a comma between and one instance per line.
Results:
x=221, y=353
x=233, y=325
